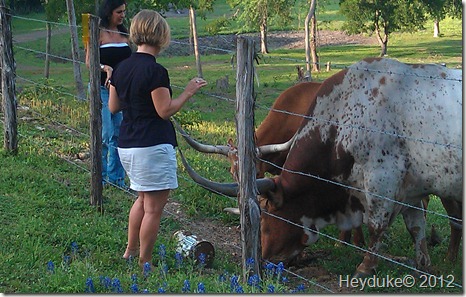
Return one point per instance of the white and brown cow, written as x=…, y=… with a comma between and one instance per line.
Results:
x=389, y=132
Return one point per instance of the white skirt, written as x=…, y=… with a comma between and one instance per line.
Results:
x=150, y=168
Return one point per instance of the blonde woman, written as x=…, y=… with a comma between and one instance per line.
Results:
x=140, y=87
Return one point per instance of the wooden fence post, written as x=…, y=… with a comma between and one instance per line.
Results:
x=249, y=206
x=95, y=105
x=8, y=73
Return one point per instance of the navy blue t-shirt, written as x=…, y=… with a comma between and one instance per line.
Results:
x=134, y=80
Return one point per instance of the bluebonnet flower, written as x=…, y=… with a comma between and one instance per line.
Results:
x=186, y=286
x=285, y=280
x=162, y=252
x=145, y=291
x=164, y=268
x=134, y=288
x=179, y=259
x=90, y=285
x=134, y=278
x=50, y=266
x=202, y=258
x=270, y=289
x=116, y=286
x=250, y=263
x=222, y=278
x=161, y=290
x=253, y=280
x=234, y=282
x=146, y=269
x=239, y=290
x=105, y=281
x=66, y=260
x=200, y=288
x=280, y=268
x=74, y=248
x=299, y=288
x=269, y=269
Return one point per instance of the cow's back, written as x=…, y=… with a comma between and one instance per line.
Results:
x=398, y=119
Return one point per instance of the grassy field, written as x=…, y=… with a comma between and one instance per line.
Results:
x=44, y=189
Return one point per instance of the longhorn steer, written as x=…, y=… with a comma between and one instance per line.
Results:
x=389, y=132
x=378, y=126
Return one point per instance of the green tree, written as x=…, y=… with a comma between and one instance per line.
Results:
x=438, y=10
x=256, y=14
x=382, y=18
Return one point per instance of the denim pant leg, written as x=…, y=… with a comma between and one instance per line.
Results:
x=112, y=170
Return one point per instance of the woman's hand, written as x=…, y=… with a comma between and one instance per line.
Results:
x=194, y=85
x=109, y=71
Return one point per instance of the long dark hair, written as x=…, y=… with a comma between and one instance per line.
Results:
x=105, y=13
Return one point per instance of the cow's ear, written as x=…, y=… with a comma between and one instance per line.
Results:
x=275, y=196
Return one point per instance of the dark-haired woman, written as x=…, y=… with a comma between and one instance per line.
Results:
x=114, y=48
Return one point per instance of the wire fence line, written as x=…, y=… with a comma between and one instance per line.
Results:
x=224, y=99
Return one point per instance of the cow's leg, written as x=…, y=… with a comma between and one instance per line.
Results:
x=416, y=224
x=454, y=209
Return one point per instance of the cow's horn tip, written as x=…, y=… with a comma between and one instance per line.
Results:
x=233, y=210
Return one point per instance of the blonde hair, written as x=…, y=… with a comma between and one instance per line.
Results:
x=149, y=27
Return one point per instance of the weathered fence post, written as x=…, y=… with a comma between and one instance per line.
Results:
x=8, y=73
x=95, y=105
x=249, y=206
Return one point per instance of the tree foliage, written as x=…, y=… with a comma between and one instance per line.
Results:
x=251, y=12
x=382, y=17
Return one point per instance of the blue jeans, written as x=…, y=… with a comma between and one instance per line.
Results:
x=112, y=171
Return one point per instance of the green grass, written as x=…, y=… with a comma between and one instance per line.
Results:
x=45, y=200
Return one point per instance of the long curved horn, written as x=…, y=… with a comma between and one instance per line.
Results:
x=275, y=148
x=204, y=148
x=229, y=189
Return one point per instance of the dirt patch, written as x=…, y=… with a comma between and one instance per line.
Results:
x=219, y=44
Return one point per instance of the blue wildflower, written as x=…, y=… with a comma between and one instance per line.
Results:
x=161, y=290
x=234, y=282
x=202, y=258
x=186, y=286
x=250, y=263
x=146, y=269
x=239, y=290
x=145, y=291
x=253, y=280
x=90, y=285
x=179, y=259
x=299, y=288
x=164, y=268
x=105, y=281
x=50, y=266
x=66, y=260
x=200, y=288
x=134, y=278
x=270, y=289
x=222, y=278
x=285, y=279
x=116, y=286
x=280, y=268
x=134, y=288
x=74, y=248
x=162, y=252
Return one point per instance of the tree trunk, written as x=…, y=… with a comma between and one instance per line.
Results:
x=310, y=14
x=192, y=16
x=75, y=50
x=315, y=57
x=263, y=29
x=436, y=28
x=383, y=40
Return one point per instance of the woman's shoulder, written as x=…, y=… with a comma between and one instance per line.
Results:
x=107, y=37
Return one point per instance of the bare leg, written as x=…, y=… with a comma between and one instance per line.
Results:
x=154, y=202
x=135, y=218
